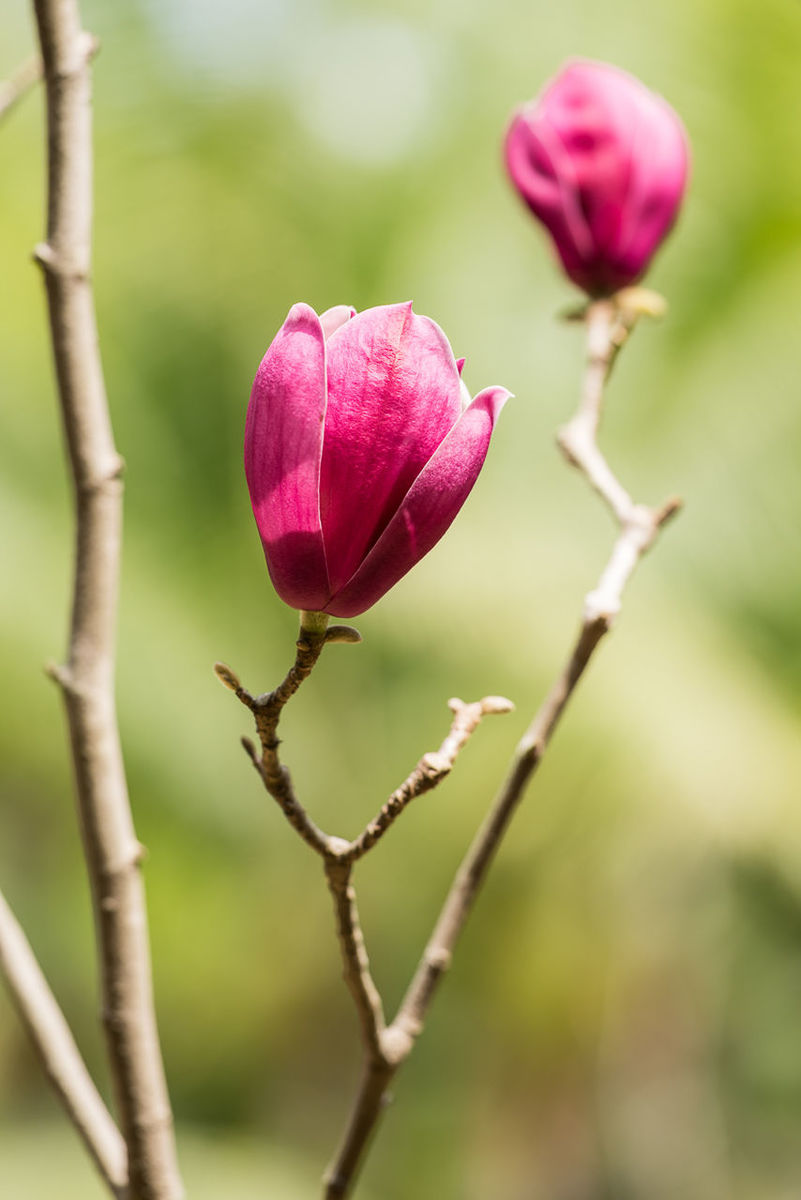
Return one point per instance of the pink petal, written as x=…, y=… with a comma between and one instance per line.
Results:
x=542, y=171
x=660, y=151
x=602, y=162
x=393, y=395
x=283, y=449
x=333, y=318
x=428, y=508
x=592, y=108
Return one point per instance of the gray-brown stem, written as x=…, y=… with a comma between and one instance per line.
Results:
x=384, y=1048
x=371, y=1100
x=113, y=853
x=60, y=1058
x=266, y=710
x=431, y=769
x=356, y=964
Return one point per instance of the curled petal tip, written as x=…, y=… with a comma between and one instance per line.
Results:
x=494, y=398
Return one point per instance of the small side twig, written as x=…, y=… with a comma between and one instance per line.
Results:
x=384, y=1048
x=431, y=769
x=609, y=323
x=267, y=711
x=18, y=84
x=61, y=1059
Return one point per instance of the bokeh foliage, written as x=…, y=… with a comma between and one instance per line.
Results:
x=622, y=1019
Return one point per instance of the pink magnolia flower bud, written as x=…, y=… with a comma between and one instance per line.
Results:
x=358, y=453
x=602, y=162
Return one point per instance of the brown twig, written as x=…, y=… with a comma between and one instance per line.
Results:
x=431, y=769
x=18, y=84
x=608, y=324
x=267, y=711
x=61, y=1059
x=267, y=708
x=356, y=965
x=113, y=853
x=384, y=1048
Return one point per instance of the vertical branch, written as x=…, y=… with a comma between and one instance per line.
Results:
x=356, y=964
x=87, y=680
x=58, y=1054
x=371, y=1099
x=379, y=1058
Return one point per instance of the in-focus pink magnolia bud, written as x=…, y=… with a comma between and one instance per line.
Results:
x=602, y=161
x=358, y=451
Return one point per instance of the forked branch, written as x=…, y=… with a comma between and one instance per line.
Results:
x=267, y=709
x=384, y=1048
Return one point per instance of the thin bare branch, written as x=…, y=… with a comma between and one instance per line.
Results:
x=112, y=850
x=61, y=1059
x=18, y=84
x=356, y=965
x=609, y=323
x=431, y=769
x=267, y=711
x=384, y=1048
x=371, y=1099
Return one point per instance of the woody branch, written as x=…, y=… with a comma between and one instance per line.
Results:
x=113, y=853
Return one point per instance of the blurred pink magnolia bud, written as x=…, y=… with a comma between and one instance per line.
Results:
x=602, y=162
x=358, y=453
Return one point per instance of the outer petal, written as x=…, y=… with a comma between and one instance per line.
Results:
x=428, y=508
x=542, y=171
x=393, y=394
x=283, y=449
x=660, y=159
x=602, y=161
x=594, y=107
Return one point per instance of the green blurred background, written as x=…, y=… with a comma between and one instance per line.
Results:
x=623, y=1019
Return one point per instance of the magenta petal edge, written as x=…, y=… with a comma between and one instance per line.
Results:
x=359, y=451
